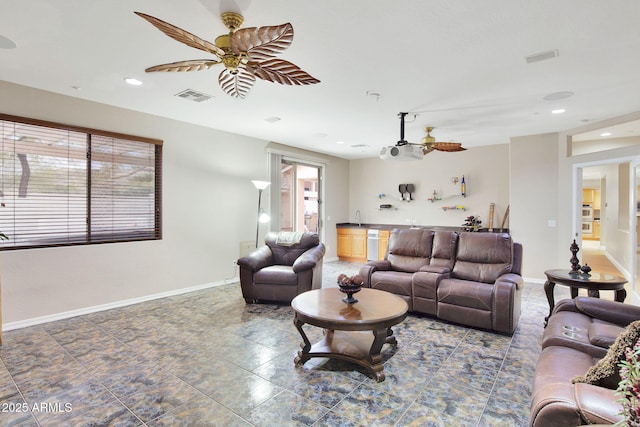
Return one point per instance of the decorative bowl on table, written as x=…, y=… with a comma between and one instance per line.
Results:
x=350, y=286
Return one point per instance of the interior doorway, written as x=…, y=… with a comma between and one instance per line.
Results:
x=608, y=217
x=300, y=197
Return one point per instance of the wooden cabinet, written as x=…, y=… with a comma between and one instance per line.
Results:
x=592, y=196
x=352, y=244
x=383, y=242
x=596, y=199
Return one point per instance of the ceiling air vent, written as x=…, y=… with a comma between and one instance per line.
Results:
x=194, y=95
x=542, y=56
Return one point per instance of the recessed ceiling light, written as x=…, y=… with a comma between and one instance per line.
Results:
x=132, y=81
x=272, y=119
x=605, y=134
x=339, y=142
x=558, y=111
x=76, y=88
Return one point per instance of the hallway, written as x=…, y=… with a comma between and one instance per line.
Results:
x=598, y=261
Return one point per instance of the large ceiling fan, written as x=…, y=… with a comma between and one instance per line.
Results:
x=404, y=150
x=245, y=53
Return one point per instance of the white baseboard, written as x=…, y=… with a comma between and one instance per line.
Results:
x=96, y=308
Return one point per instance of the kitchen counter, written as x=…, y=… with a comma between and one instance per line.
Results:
x=392, y=226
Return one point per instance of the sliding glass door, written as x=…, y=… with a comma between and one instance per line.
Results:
x=299, y=197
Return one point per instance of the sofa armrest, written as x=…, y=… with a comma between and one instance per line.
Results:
x=516, y=279
x=609, y=311
x=440, y=269
x=372, y=266
x=258, y=259
x=309, y=259
x=598, y=405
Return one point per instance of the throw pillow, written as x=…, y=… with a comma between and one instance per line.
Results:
x=605, y=373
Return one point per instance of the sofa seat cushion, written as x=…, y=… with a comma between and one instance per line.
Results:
x=466, y=293
x=276, y=275
x=396, y=282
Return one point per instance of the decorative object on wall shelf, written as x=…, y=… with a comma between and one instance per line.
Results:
x=381, y=196
x=454, y=208
x=472, y=223
x=406, y=189
x=463, y=187
x=387, y=206
x=455, y=180
x=434, y=197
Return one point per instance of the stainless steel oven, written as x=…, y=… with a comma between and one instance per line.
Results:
x=587, y=212
x=587, y=228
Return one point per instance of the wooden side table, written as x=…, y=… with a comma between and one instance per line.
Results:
x=376, y=311
x=594, y=283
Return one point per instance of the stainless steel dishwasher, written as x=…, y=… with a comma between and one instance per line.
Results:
x=372, y=244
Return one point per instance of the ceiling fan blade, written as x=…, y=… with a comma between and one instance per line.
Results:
x=448, y=146
x=281, y=71
x=263, y=42
x=427, y=149
x=191, y=65
x=181, y=35
x=236, y=85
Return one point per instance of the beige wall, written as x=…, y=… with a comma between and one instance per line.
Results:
x=209, y=206
x=534, y=202
x=487, y=180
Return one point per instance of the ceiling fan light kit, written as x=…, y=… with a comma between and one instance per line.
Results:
x=246, y=54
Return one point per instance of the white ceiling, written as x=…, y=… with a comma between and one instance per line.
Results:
x=456, y=65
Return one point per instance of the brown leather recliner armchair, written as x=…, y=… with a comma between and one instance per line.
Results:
x=287, y=265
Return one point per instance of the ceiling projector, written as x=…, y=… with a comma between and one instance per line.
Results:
x=402, y=152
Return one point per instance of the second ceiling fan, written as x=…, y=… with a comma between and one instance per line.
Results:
x=405, y=150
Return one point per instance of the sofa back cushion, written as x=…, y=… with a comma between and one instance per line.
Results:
x=443, y=252
x=286, y=252
x=483, y=257
x=409, y=248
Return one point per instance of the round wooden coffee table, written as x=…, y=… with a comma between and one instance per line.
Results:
x=376, y=311
x=593, y=282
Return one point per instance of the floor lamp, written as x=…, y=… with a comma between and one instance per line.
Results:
x=263, y=217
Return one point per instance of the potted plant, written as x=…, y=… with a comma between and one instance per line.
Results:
x=629, y=387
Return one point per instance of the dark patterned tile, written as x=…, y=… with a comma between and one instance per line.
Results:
x=207, y=358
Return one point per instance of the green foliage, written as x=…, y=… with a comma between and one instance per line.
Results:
x=629, y=387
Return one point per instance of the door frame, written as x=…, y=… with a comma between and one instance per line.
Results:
x=634, y=164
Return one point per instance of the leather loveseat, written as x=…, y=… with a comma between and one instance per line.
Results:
x=577, y=337
x=468, y=278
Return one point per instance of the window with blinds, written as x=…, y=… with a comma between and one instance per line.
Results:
x=64, y=185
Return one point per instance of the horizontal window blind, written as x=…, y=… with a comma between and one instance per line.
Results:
x=62, y=185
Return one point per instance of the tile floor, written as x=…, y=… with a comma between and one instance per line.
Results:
x=207, y=359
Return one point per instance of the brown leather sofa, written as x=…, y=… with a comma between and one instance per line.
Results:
x=578, y=335
x=468, y=278
x=282, y=268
